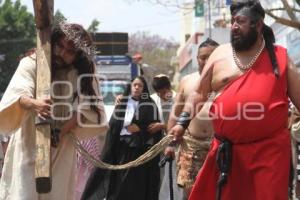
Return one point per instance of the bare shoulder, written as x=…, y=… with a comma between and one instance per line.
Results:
x=293, y=79
x=187, y=82
x=186, y=79
x=222, y=48
x=213, y=71
x=291, y=64
x=293, y=74
x=220, y=53
x=190, y=77
x=292, y=71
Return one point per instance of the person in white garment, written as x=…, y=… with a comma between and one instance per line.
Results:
x=3, y=146
x=75, y=109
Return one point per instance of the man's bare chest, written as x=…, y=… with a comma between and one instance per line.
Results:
x=223, y=74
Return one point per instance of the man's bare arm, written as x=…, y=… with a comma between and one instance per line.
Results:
x=42, y=106
x=177, y=106
x=293, y=77
x=195, y=101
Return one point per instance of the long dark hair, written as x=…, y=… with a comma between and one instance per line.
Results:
x=145, y=96
x=257, y=13
x=270, y=40
x=119, y=111
x=82, y=63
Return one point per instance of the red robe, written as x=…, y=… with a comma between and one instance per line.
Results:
x=261, y=141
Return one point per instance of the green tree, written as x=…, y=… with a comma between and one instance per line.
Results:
x=59, y=17
x=94, y=26
x=17, y=35
x=156, y=51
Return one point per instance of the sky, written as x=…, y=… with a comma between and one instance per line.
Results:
x=120, y=15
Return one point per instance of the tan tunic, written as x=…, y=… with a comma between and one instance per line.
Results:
x=17, y=181
x=192, y=155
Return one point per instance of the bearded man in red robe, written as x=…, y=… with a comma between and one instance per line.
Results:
x=249, y=157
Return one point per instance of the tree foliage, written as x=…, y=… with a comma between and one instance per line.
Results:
x=17, y=35
x=289, y=15
x=59, y=17
x=156, y=51
x=94, y=26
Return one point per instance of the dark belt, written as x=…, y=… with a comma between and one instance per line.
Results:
x=224, y=158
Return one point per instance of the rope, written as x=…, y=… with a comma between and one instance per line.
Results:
x=148, y=155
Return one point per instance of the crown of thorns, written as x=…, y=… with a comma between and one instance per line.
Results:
x=78, y=37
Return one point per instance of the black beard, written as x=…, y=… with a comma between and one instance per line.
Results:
x=246, y=41
x=58, y=63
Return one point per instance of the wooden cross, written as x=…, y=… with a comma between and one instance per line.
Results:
x=43, y=10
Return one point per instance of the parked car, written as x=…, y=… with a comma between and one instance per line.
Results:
x=109, y=90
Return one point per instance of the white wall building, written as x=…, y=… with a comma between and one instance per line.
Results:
x=195, y=29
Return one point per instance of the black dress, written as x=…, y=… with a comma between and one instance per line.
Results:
x=139, y=183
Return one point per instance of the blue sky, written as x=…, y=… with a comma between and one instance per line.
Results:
x=120, y=15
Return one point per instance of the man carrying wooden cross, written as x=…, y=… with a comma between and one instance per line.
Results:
x=75, y=108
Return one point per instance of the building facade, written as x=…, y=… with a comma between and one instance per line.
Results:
x=215, y=23
x=212, y=21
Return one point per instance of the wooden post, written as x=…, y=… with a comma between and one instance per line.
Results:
x=43, y=16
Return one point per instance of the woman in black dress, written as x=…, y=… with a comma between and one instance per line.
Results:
x=127, y=139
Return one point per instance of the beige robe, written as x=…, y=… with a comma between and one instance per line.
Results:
x=17, y=181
